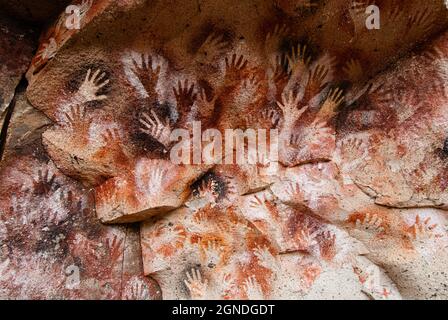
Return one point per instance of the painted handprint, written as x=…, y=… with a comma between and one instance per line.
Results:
x=88, y=249
x=307, y=236
x=47, y=50
x=271, y=117
x=207, y=189
x=21, y=209
x=291, y=115
x=420, y=23
x=77, y=117
x=158, y=129
x=91, y=86
x=353, y=151
x=353, y=70
x=213, y=253
x=293, y=190
x=327, y=245
x=328, y=109
x=234, y=68
x=55, y=217
x=298, y=59
x=311, y=135
x=422, y=229
x=84, y=8
x=289, y=107
x=262, y=210
x=370, y=223
x=250, y=90
x=227, y=286
x=166, y=239
x=279, y=75
x=205, y=106
x=317, y=79
x=213, y=46
x=274, y=38
x=373, y=283
x=114, y=248
x=155, y=183
x=253, y=289
x=185, y=96
x=147, y=74
x=136, y=289
x=357, y=11
x=258, y=202
x=44, y=182
x=196, y=285
x=267, y=260
x=265, y=119
x=111, y=136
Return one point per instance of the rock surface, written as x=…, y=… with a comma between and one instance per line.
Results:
x=17, y=44
x=393, y=143
x=52, y=245
x=352, y=207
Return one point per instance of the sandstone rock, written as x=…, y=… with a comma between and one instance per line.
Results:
x=404, y=243
x=52, y=246
x=24, y=128
x=17, y=44
x=213, y=253
x=154, y=187
x=166, y=53
x=72, y=17
x=393, y=140
x=353, y=207
x=119, y=105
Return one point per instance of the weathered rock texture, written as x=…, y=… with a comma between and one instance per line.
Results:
x=353, y=208
x=17, y=44
x=52, y=245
